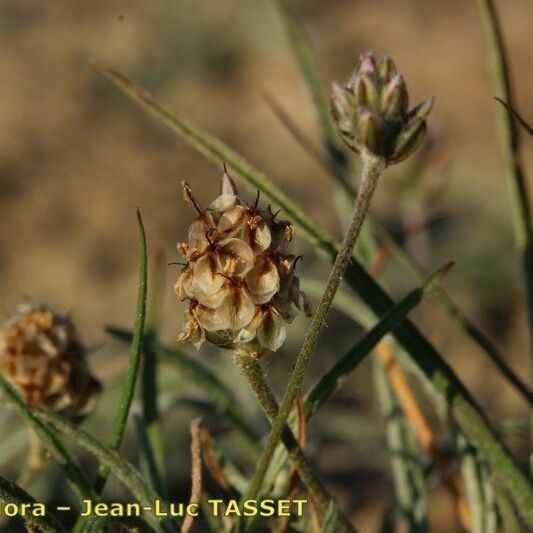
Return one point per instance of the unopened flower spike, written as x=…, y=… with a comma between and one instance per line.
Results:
x=42, y=356
x=241, y=286
x=371, y=111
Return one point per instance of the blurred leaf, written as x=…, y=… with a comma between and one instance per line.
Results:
x=306, y=61
x=48, y=437
x=130, y=477
x=148, y=454
x=12, y=493
x=437, y=372
x=149, y=383
x=510, y=523
x=330, y=520
x=516, y=115
x=332, y=380
x=95, y=524
x=509, y=146
x=203, y=377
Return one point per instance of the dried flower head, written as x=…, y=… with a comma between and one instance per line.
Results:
x=241, y=287
x=43, y=358
x=371, y=111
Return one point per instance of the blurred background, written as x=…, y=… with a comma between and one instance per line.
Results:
x=77, y=158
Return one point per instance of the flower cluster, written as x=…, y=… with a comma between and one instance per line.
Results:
x=241, y=287
x=371, y=111
x=43, y=358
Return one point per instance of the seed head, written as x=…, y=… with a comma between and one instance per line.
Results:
x=241, y=287
x=43, y=358
x=371, y=111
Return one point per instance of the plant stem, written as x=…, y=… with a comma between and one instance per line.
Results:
x=509, y=140
x=372, y=170
x=251, y=370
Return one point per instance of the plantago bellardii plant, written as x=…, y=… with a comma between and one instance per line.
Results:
x=370, y=112
x=242, y=292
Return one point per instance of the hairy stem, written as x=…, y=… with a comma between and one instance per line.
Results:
x=251, y=370
x=372, y=170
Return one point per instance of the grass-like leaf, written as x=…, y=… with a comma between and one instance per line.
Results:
x=330, y=520
x=333, y=379
x=128, y=389
x=149, y=379
x=509, y=141
x=516, y=115
x=78, y=481
x=11, y=493
x=462, y=406
x=307, y=64
x=147, y=451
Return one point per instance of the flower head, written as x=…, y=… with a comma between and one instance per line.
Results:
x=43, y=358
x=371, y=111
x=241, y=286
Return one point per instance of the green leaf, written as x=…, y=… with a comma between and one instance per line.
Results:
x=11, y=493
x=330, y=520
x=148, y=454
x=516, y=115
x=149, y=383
x=307, y=64
x=333, y=379
x=128, y=389
x=462, y=406
x=509, y=145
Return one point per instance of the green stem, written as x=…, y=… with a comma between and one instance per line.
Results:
x=251, y=369
x=509, y=140
x=372, y=170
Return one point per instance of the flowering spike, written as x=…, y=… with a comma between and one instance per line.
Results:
x=242, y=290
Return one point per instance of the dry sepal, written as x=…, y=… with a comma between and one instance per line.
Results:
x=241, y=287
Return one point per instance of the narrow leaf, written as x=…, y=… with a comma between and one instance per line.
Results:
x=79, y=483
x=516, y=115
x=332, y=380
x=12, y=493
x=123, y=410
x=307, y=64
